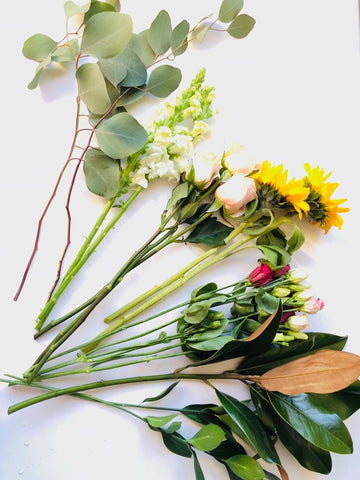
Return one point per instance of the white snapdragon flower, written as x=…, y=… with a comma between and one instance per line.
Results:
x=163, y=136
x=200, y=128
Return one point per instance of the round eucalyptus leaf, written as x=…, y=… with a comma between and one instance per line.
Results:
x=241, y=26
x=65, y=53
x=229, y=9
x=71, y=9
x=159, y=33
x=113, y=69
x=92, y=88
x=102, y=174
x=164, y=80
x=98, y=7
x=120, y=135
x=136, y=73
x=178, y=39
x=38, y=47
x=140, y=45
x=106, y=34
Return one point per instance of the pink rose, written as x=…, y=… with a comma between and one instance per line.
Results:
x=235, y=194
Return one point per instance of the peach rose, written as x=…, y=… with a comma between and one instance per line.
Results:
x=235, y=194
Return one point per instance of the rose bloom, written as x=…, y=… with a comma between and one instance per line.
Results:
x=204, y=168
x=238, y=160
x=235, y=194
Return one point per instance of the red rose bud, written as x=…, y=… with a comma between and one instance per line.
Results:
x=282, y=271
x=261, y=275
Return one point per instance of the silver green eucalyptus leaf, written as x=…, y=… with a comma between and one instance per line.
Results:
x=102, y=174
x=229, y=9
x=136, y=73
x=71, y=9
x=241, y=26
x=106, y=34
x=140, y=45
x=159, y=33
x=38, y=47
x=164, y=80
x=113, y=69
x=42, y=65
x=178, y=39
x=66, y=53
x=92, y=88
x=120, y=135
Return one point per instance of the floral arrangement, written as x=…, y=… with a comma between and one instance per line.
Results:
x=301, y=385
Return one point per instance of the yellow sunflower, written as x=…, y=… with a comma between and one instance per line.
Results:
x=323, y=209
x=293, y=191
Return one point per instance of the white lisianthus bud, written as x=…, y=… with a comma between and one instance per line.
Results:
x=205, y=167
x=238, y=160
x=313, y=305
x=297, y=322
x=280, y=292
x=304, y=295
x=235, y=194
x=297, y=275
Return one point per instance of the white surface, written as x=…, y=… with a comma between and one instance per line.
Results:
x=290, y=93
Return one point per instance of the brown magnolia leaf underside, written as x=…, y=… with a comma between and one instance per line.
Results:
x=326, y=371
x=262, y=327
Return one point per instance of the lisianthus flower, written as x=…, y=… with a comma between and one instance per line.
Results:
x=238, y=160
x=313, y=305
x=297, y=322
x=261, y=275
x=323, y=209
x=275, y=188
x=205, y=167
x=235, y=194
x=281, y=271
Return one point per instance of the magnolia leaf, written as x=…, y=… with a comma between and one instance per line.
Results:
x=325, y=371
x=162, y=394
x=209, y=437
x=38, y=47
x=164, y=80
x=245, y=467
x=120, y=135
x=106, y=34
x=241, y=26
x=178, y=39
x=318, y=426
x=344, y=402
x=229, y=9
x=71, y=9
x=276, y=355
x=140, y=45
x=66, y=53
x=102, y=174
x=92, y=88
x=248, y=422
x=159, y=33
x=160, y=421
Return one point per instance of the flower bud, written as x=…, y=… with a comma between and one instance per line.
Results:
x=280, y=292
x=235, y=194
x=281, y=271
x=297, y=322
x=261, y=275
x=238, y=160
x=313, y=305
x=204, y=168
x=304, y=295
x=297, y=275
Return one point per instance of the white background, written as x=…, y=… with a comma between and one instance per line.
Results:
x=290, y=93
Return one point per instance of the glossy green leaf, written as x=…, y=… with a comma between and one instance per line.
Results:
x=161, y=395
x=344, y=402
x=140, y=45
x=66, y=53
x=199, y=475
x=98, y=7
x=106, y=34
x=160, y=32
x=245, y=467
x=38, y=47
x=120, y=135
x=296, y=240
x=318, y=426
x=199, y=412
x=176, y=444
x=160, y=421
x=207, y=438
x=277, y=355
x=250, y=425
x=178, y=38
x=229, y=9
x=241, y=26
x=164, y=80
x=228, y=448
x=210, y=232
x=102, y=174
x=71, y=8
x=92, y=88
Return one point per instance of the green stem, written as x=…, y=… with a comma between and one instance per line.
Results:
x=120, y=381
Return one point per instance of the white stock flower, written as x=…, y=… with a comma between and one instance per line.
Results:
x=200, y=128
